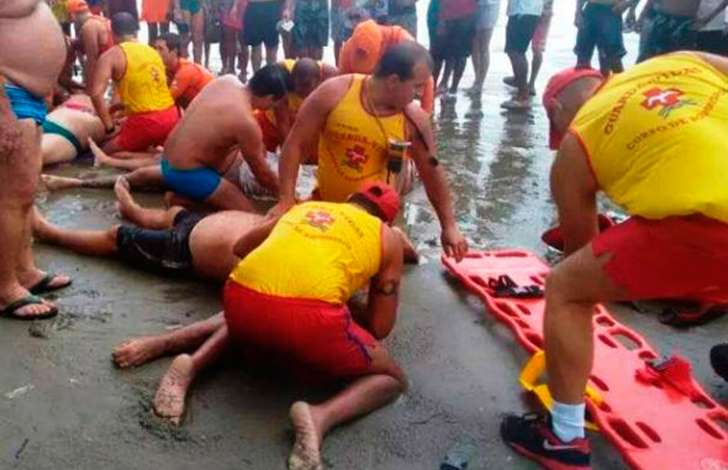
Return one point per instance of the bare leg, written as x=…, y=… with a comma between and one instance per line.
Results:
x=85, y=242
x=227, y=196
x=458, y=69
x=271, y=55
x=28, y=273
x=197, y=30
x=243, y=59
x=20, y=165
x=58, y=183
x=156, y=219
x=337, y=51
x=481, y=57
x=123, y=160
x=138, y=351
x=364, y=395
x=169, y=401
x=520, y=72
x=446, y=74
x=536, y=62
x=228, y=48
x=256, y=56
x=572, y=290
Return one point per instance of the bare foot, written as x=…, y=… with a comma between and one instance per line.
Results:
x=169, y=402
x=138, y=351
x=42, y=229
x=305, y=454
x=99, y=155
x=56, y=183
x=126, y=202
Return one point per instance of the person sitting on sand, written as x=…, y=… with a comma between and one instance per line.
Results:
x=289, y=296
x=172, y=241
x=68, y=128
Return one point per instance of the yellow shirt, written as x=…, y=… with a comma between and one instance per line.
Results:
x=317, y=251
x=353, y=147
x=143, y=88
x=655, y=138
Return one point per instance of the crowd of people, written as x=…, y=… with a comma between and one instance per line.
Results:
x=313, y=281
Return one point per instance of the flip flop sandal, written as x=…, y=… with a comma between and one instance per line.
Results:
x=11, y=311
x=44, y=285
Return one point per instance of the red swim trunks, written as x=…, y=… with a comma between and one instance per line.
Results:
x=673, y=258
x=141, y=131
x=317, y=334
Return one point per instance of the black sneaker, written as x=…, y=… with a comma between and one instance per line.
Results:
x=719, y=360
x=530, y=435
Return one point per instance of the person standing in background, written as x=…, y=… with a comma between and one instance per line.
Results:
x=485, y=20
x=523, y=19
x=538, y=46
x=311, y=29
x=260, y=26
x=404, y=13
x=453, y=41
x=119, y=6
x=155, y=13
x=191, y=24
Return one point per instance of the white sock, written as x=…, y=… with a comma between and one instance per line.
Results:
x=567, y=421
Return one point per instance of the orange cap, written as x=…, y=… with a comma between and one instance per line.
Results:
x=367, y=47
x=556, y=85
x=76, y=6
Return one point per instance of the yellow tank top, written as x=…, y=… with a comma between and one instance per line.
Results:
x=318, y=251
x=655, y=137
x=294, y=100
x=353, y=147
x=143, y=88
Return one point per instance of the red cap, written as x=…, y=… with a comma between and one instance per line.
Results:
x=384, y=197
x=556, y=85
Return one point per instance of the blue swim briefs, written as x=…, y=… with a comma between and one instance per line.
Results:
x=196, y=183
x=25, y=105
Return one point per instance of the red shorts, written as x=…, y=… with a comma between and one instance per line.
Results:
x=141, y=131
x=673, y=258
x=317, y=334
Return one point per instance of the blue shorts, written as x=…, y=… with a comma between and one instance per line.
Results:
x=602, y=29
x=197, y=183
x=25, y=105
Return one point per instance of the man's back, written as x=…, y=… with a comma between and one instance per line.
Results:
x=210, y=126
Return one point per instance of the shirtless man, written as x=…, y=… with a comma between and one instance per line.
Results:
x=139, y=76
x=306, y=76
x=68, y=128
x=627, y=136
x=28, y=73
x=186, y=79
x=201, y=150
x=288, y=295
x=362, y=124
x=171, y=241
x=94, y=34
x=364, y=49
x=674, y=26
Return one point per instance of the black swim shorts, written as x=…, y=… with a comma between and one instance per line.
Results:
x=160, y=251
x=260, y=21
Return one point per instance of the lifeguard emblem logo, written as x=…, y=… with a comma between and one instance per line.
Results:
x=319, y=219
x=356, y=157
x=666, y=101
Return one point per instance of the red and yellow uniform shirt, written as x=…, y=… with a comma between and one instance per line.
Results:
x=317, y=251
x=654, y=136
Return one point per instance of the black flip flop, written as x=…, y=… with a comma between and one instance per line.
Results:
x=11, y=311
x=44, y=285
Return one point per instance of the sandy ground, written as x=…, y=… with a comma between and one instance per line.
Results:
x=63, y=405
